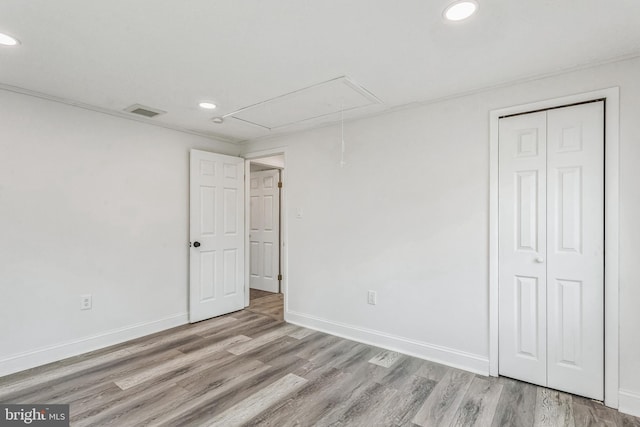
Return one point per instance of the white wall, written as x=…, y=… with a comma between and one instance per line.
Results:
x=89, y=204
x=408, y=217
x=266, y=163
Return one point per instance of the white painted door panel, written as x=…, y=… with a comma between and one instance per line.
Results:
x=264, y=226
x=575, y=271
x=522, y=278
x=551, y=256
x=216, y=283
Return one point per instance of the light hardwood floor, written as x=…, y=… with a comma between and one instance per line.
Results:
x=249, y=368
x=266, y=303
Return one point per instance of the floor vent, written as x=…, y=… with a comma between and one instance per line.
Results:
x=143, y=110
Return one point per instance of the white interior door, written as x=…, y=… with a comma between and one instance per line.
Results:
x=575, y=271
x=264, y=234
x=551, y=258
x=216, y=258
x=522, y=248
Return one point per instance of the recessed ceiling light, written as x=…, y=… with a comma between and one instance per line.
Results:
x=460, y=10
x=207, y=105
x=218, y=120
x=7, y=40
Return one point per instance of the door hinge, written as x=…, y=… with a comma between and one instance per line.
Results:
x=279, y=276
x=280, y=184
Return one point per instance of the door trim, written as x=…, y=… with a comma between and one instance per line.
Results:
x=611, y=227
x=261, y=282
x=284, y=232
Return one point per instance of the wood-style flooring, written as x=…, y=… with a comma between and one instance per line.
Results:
x=249, y=368
x=266, y=303
x=257, y=293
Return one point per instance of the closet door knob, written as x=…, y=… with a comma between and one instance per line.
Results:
x=539, y=260
x=196, y=244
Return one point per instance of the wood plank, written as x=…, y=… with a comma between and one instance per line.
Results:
x=238, y=393
x=270, y=305
x=243, y=328
x=585, y=416
x=553, y=408
x=167, y=380
x=134, y=410
x=354, y=398
x=441, y=406
x=178, y=362
x=260, y=340
x=6, y=390
x=301, y=333
x=625, y=420
x=432, y=370
x=307, y=405
x=516, y=406
x=401, y=372
x=408, y=401
x=258, y=402
x=385, y=358
x=369, y=408
x=207, y=395
x=75, y=387
x=479, y=404
x=317, y=345
x=258, y=293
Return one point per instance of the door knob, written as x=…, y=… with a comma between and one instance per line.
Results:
x=540, y=260
x=196, y=244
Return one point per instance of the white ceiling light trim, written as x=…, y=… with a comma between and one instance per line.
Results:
x=7, y=40
x=207, y=105
x=460, y=10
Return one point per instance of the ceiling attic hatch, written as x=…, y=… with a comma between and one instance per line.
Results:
x=143, y=110
x=318, y=101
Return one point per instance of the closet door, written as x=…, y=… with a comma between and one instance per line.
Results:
x=551, y=266
x=575, y=245
x=522, y=248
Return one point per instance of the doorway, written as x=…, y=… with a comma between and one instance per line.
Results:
x=551, y=248
x=219, y=228
x=611, y=229
x=216, y=216
x=264, y=228
x=264, y=231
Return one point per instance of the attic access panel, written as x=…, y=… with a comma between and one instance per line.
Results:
x=313, y=102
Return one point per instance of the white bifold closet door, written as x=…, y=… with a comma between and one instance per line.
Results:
x=551, y=248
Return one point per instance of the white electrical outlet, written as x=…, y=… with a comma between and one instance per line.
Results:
x=85, y=302
x=372, y=297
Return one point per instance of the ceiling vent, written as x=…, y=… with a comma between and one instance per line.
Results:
x=143, y=110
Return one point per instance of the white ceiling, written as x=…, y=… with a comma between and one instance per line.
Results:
x=170, y=54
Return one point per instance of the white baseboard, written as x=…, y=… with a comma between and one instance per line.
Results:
x=42, y=356
x=629, y=402
x=435, y=353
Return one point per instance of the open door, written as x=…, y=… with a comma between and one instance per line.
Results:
x=264, y=231
x=216, y=227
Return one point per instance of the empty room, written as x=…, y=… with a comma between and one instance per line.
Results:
x=319, y=213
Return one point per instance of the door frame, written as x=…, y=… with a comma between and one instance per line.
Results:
x=284, y=231
x=276, y=174
x=611, y=227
